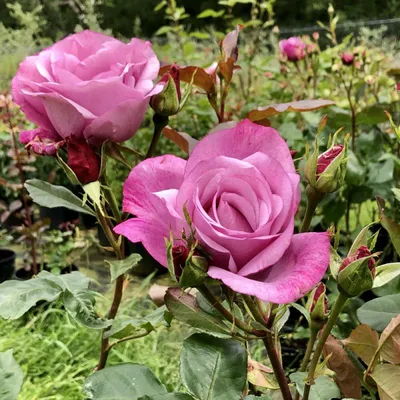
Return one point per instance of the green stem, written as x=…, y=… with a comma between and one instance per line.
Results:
x=160, y=122
x=313, y=198
x=125, y=339
x=310, y=346
x=111, y=200
x=271, y=349
x=307, y=355
x=226, y=314
x=337, y=308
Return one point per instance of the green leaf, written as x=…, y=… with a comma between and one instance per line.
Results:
x=119, y=267
x=74, y=281
x=184, y=308
x=93, y=190
x=163, y=30
x=123, y=382
x=80, y=305
x=378, y=313
x=396, y=193
x=387, y=378
x=169, y=396
x=362, y=238
x=302, y=310
x=381, y=172
x=209, y=13
x=252, y=397
x=11, y=376
x=213, y=368
x=323, y=389
x=126, y=326
x=17, y=297
x=385, y=273
x=52, y=196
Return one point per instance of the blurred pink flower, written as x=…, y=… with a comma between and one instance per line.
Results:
x=241, y=190
x=347, y=58
x=293, y=48
x=88, y=85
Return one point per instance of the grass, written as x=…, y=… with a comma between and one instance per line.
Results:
x=57, y=354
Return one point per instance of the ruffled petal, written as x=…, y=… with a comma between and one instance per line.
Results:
x=296, y=273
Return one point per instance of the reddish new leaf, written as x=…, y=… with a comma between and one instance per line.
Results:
x=347, y=377
x=201, y=78
x=184, y=141
x=297, y=106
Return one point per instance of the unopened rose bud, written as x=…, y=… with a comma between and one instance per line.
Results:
x=315, y=36
x=180, y=254
x=357, y=272
x=269, y=74
x=83, y=160
x=318, y=304
x=331, y=10
x=325, y=173
x=275, y=30
x=167, y=102
x=347, y=58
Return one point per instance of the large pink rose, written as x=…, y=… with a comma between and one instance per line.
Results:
x=242, y=191
x=88, y=85
x=293, y=48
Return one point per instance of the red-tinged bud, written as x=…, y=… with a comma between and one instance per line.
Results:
x=348, y=58
x=293, y=153
x=362, y=252
x=180, y=253
x=398, y=86
x=83, y=160
x=315, y=36
x=269, y=74
x=326, y=159
x=167, y=102
x=357, y=272
x=318, y=303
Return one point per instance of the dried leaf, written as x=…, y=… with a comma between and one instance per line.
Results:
x=257, y=375
x=363, y=341
x=298, y=106
x=389, y=342
x=347, y=377
x=387, y=377
x=184, y=141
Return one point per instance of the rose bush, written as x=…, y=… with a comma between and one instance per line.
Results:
x=88, y=85
x=241, y=190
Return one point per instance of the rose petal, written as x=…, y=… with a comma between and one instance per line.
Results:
x=151, y=176
x=245, y=139
x=296, y=273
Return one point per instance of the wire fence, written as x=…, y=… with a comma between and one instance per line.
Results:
x=344, y=28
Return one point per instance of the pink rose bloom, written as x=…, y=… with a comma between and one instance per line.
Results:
x=293, y=48
x=241, y=190
x=87, y=85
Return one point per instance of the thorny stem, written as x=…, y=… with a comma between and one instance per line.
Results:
x=28, y=216
x=118, y=290
x=271, y=349
x=337, y=308
x=226, y=314
x=160, y=122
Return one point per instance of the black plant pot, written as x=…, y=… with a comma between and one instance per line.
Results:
x=24, y=274
x=58, y=216
x=7, y=264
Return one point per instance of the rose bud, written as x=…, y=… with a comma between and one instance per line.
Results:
x=357, y=272
x=318, y=304
x=326, y=172
x=167, y=102
x=180, y=254
x=347, y=58
x=315, y=36
x=293, y=48
x=83, y=160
